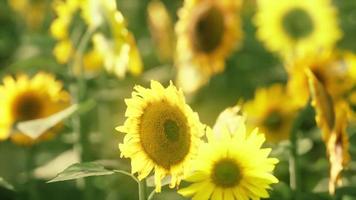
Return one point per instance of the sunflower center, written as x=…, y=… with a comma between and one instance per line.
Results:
x=226, y=173
x=208, y=30
x=171, y=130
x=27, y=106
x=165, y=134
x=273, y=121
x=297, y=23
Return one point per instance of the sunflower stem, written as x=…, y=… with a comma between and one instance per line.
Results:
x=142, y=190
x=80, y=126
x=294, y=170
x=30, y=165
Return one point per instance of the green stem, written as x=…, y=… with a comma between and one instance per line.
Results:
x=80, y=126
x=294, y=170
x=142, y=190
x=30, y=165
x=150, y=197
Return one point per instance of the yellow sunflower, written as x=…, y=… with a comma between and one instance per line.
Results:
x=24, y=99
x=208, y=31
x=117, y=46
x=32, y=12
x=231, y=166
x=162, y=30
x=273, y=111
x=295, y=27
x=331, y=68
x=162, y=133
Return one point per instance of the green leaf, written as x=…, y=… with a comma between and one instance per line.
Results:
x=35, y=128
x=81, y=170
x=5, y=184
x=151, y=182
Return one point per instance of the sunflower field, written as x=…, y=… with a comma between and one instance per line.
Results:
x=177, y=99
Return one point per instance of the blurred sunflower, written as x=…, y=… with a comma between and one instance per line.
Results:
x=273, y=111
x=32, y=12
x=162, y=133
x=292, y=27
x=26, y=99
x=207, y=32
x=331, y=68
x=60, y=29
x=110, y=37
x=231, y=166
x=162, y=30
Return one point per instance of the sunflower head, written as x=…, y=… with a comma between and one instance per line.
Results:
x=28, y=99
x=162, y=29
x=231, y=165
x=162, y=133
x=293, y=28
x=272, y=111
x=116, y=43
x=207, y=33
x=32, y=12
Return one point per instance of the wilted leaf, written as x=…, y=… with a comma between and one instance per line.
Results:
x=304, y=146
x=5, y=184
x=331, y=117
x=35, y=128
x=337, y=147
x=229, y=119
x=323, y=104
x=81, y=170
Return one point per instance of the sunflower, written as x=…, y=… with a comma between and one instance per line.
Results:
x=331, y=68
x=231, y=166
x=161, y=29
x=292, y=27
x=32, y=12
x=162, y=133
x=207, y=32
x=116, y=45
x=273, y=111
x=26, y=99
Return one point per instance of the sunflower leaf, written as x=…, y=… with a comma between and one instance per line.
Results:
x=5, y=184
x=35, y=128
x=81, y=170
x=151, y=183
x=323, y=105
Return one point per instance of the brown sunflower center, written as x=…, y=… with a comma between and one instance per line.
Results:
x=297, y=23
x=165, y=134
x=226, y=173
x=208, y=30
x=273, y=121
x=171, y=130
x=27, y=106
